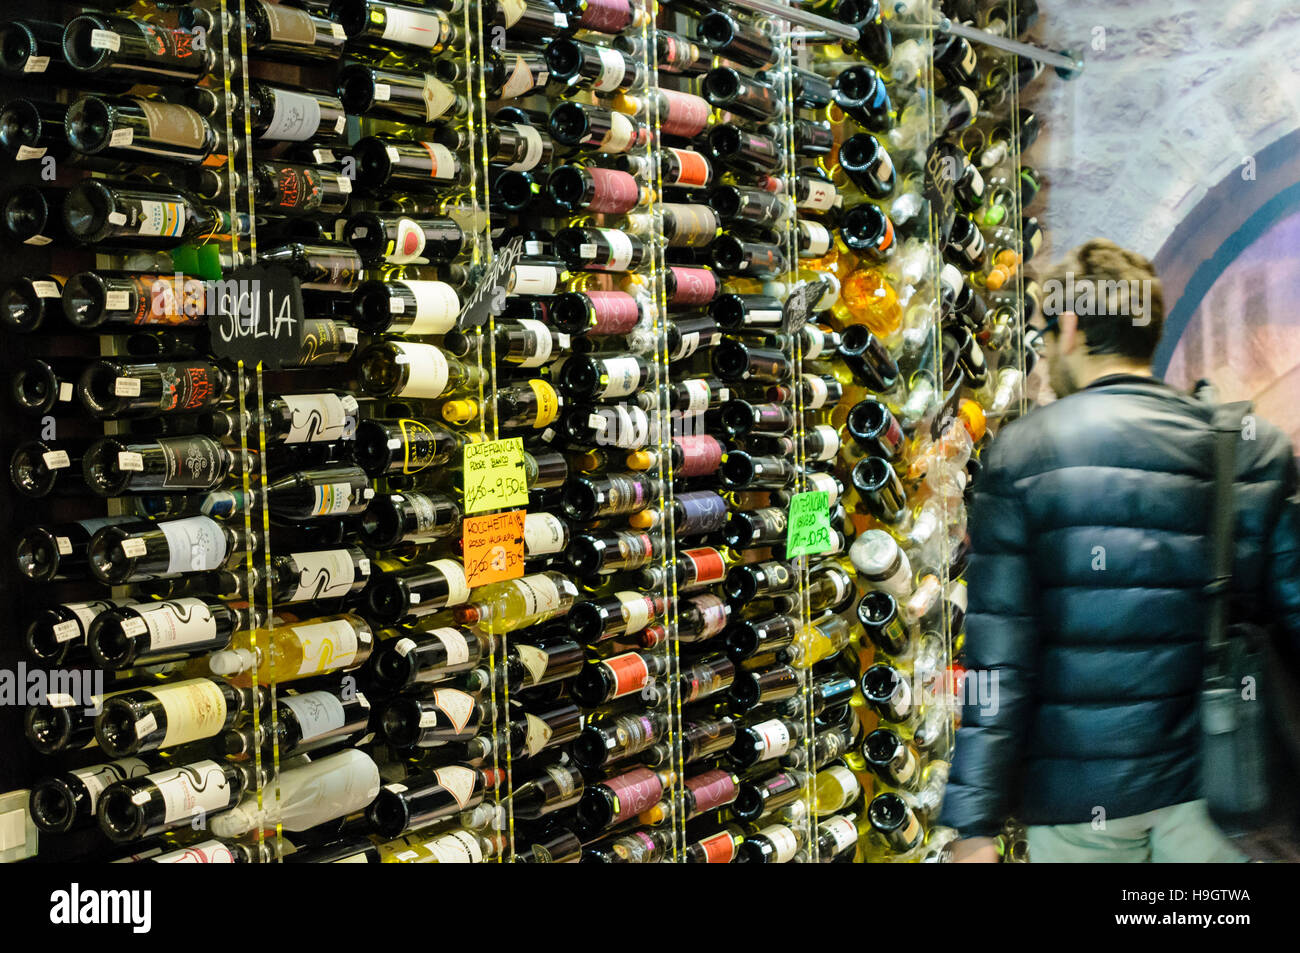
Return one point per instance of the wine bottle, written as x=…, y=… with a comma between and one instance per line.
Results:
x=66, y=802
x=596, y=128
x=152, y=632
x=138, y=551
x=426, y=797
x=295, y=419
x=517, y=603
x=736, y=40
x=365, y=90
x=26, y=303
x=611, y=802
x=307, y=721
x=112, y=467
x=137, y=807
x=437, y=716
x=556, y=788
x=118, y=49
x=394, y=518
x=302, y=650
x=123, y=215
x=396, y=26
x=307, y=494
x=860, y=92
x=399, y=240
x=616, y=677
x=163, y=716
x=418, y=591
x=424, y=658
x=406, y=306
x=602, y=69
x=53, y=634
x=123, y=130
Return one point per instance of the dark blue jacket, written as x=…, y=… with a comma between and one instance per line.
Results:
x=1090, y=554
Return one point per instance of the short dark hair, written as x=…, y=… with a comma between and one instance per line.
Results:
x=1116, y=294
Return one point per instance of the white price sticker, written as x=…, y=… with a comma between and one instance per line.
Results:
x=56, y=460
x=126, y=387
x=130, y=461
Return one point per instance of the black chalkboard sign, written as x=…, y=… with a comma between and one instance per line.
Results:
x=489, y=294
x=256, y=316
x=799, y=306
x=942, y=166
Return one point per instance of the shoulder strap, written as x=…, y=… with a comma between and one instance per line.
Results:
x=1227, y=431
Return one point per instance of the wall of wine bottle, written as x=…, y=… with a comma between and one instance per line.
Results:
x=529, y=431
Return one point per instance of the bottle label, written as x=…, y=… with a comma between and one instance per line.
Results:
x=541, y=595
x=692, y=285
x=533, y=146
x=543, y=534
x=775, y=738
x=712, y=790
x=319, y=713
x=320, y=418
x=819, y=480
x=817, y=242
x=330, y=499
x=698, y=393
x=162, y=218
x=612, y=69
x=192, y=790
x=637, y=608
x=630, y=673
x=620, y=249
x=821, y=196
x=99, y=776
x=458, y=781
x=287, y=25
x=783, y=840
x=692, y=168
x=208, y=852
x=457, y=584
x=454, y=643
x=817, y=391
x=295, y=117
x=413, y=27
x=520, y=82
x=622, y=376
x=193, y=545
x=456, y=847
x=707, y=565
x=533, y=280
x=686, y=115
x=436, y=307
x=719, y=848
x=622, y=132
x=456, y=705
x=713, y=614
x=442, y=163
x=328, y=574
x=548, y=409
x=174, y=125
x=537, y=343
x=420, y=445
x=191, y=462
x=842, y=830
x=195, y=709
x=85, y=613
x=427, y=370
x=827, y=442
x=535, y=660
x=177, y=623
x=426, y=514
x=326, y=646
x=635, y=791
x=537, y=736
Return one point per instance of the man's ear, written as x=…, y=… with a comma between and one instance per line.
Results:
x=1067, y=331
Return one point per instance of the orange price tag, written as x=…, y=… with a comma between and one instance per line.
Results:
x=494, y=547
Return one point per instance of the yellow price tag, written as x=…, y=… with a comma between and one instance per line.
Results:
x=495, y=475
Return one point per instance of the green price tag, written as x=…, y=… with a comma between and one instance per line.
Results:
x=809, y=529
x=495, y=475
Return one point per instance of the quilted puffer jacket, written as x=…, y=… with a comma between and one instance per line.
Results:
x=1090, y=556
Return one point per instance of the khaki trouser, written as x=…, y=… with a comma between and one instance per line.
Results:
x=1182, y=833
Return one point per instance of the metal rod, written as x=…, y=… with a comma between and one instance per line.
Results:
x=802, y=17
x=1028, y=50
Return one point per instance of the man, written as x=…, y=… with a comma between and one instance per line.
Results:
x=1087, y=587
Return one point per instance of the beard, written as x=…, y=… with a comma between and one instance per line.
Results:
x=1061, y=380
